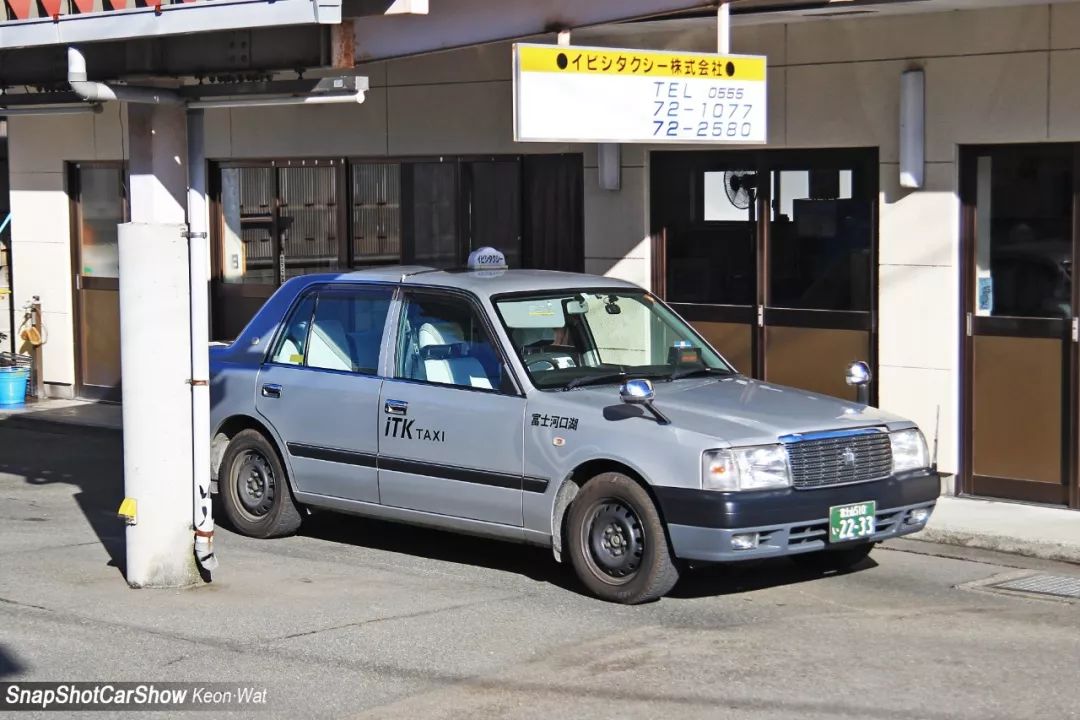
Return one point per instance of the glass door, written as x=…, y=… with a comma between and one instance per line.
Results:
x=277, y=221
x=770, y=255
x=708, y=209
x=309, y=220
x=246, y=248
x=99, y=203
x=433, y=232
x=1019, y=332
x=820, y=265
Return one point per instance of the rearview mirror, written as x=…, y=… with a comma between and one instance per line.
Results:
x=577, y=306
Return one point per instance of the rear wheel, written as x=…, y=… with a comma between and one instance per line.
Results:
x=828, y=560
x=254, y=490
x=617, y=542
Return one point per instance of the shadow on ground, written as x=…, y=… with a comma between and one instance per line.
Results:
x=744, y=577
x=91, y=461
x=9, y=664
x=538, y=564
x=533, y=562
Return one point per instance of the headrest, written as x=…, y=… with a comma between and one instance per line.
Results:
x=439, y=333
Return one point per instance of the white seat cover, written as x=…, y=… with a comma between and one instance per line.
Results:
x=467, y=371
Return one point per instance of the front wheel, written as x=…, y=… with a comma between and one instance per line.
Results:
x=254, y=490
x=829, y=560
x=617, y=542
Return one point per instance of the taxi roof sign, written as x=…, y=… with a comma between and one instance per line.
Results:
x=487, y=258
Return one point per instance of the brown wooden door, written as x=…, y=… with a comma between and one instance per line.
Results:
x=770, y=255
x=1020, y=383
x=99, y=206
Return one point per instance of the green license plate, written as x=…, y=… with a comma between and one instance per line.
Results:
x=851, y=522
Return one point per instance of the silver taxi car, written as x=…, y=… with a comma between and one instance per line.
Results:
x=571, y=411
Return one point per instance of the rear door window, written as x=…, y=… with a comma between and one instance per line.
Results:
x=441, y=339
x=293, y=341
x=347, y=329
x=336, y=328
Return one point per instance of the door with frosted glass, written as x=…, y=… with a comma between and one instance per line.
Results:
x=98, y=207
x=1018, y=331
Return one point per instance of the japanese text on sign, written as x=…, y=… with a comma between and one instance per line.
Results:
x=566, y=94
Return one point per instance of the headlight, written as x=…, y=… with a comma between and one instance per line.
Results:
x=909, y=451
x=749, y=468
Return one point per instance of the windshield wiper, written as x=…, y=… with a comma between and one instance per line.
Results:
x=692, y=372
x=596, y=379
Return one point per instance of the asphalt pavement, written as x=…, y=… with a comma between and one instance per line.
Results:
x=355, y=618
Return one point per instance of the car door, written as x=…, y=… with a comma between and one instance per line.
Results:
x=319, y=389
x=451, y=418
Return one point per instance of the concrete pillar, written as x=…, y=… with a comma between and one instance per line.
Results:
x=155, y=345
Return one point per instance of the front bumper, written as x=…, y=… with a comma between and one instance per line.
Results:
x=701, y=523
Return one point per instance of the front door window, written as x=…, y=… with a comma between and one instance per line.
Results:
x=442, y=340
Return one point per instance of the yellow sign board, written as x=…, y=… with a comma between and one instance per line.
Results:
x=560, y=59
x=585, y=94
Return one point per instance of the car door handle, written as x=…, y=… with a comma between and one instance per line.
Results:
x=271, y=391
x=396, y=407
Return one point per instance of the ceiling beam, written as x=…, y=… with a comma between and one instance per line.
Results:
x=460, y=23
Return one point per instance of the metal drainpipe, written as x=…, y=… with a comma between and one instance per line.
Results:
x=199, y=262
x=100, y=92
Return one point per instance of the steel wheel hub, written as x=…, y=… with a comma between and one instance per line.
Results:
x=615, y=539
x=255, y=484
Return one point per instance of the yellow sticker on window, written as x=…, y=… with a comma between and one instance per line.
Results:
x=296, y=359
x=542, y=310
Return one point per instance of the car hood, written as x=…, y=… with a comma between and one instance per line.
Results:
x=742, y=411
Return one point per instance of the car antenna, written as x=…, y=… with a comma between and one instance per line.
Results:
x=417, y=272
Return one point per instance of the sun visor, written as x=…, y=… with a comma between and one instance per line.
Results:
x=533, y=313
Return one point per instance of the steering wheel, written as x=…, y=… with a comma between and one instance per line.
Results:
x=541, y=365
x=549, y=360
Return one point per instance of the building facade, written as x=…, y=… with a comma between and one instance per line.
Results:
x=794, y=258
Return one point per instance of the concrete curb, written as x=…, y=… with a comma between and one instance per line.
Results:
x=1001, y=543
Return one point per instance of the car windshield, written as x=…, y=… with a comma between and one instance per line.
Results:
x=574, y=338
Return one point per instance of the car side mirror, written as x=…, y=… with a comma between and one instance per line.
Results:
x=639, y=391
x=859, y=376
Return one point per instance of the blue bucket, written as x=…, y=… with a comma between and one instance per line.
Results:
x=13, y=385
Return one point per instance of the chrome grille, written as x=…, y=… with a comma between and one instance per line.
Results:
x=840, y=459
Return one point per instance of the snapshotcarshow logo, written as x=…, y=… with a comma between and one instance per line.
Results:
x=69, y=696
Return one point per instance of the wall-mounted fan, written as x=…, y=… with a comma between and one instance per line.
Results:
x=741, y=187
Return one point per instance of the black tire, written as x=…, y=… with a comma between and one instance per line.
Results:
x=617, y=542
x=834, y=560
x=254, y=488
